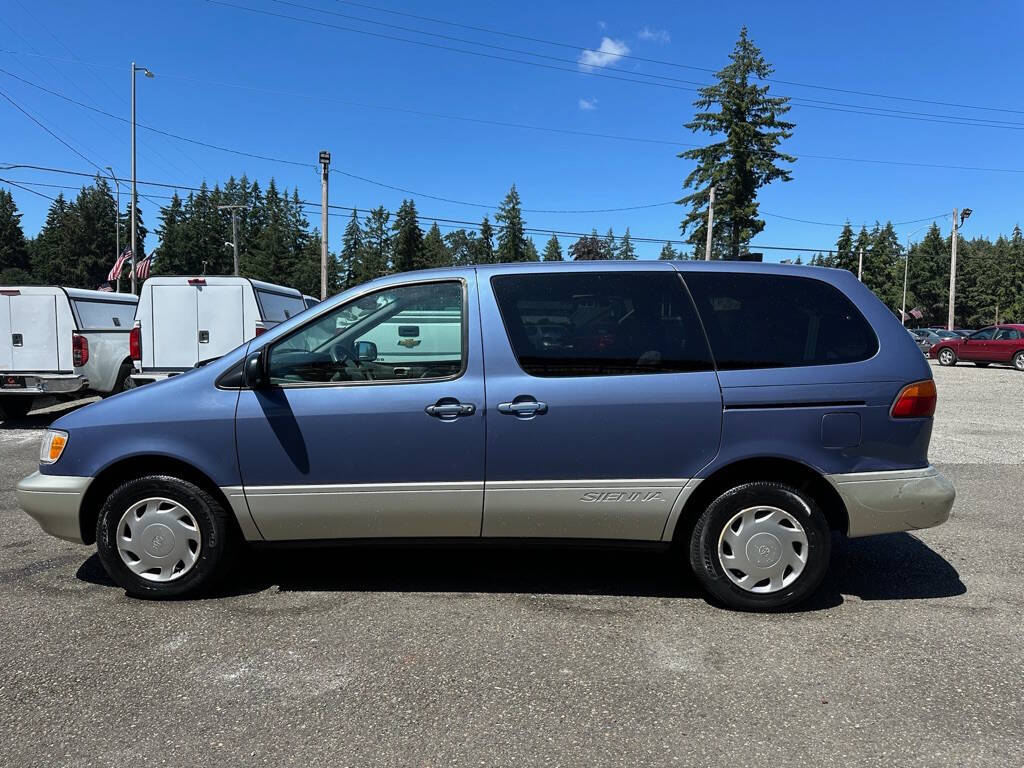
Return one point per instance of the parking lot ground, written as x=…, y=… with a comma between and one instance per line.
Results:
x=912, y=654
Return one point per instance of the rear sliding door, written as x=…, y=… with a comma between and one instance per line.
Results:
x=33, y=333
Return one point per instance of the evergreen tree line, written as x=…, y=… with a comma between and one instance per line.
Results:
x=990, y=275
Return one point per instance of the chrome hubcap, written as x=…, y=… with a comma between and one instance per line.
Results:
x=1020, y=362
x=763, y=549
x=158, y=539
x=946, y=355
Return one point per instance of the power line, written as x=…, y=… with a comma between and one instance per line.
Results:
x=798, y=101
x=34, y=192
x=41, y=125
x=679, y=65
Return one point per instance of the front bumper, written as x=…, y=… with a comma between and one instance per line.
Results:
x=48, y=384
x=901, y=500
x=54, y=502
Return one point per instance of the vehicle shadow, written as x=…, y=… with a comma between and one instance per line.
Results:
x=893, y=567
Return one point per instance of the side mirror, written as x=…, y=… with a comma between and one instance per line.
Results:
x=255, y=369
x=366, y=351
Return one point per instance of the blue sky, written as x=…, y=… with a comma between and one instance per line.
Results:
x=285, y=89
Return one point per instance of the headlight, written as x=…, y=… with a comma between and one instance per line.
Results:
x=54, y=442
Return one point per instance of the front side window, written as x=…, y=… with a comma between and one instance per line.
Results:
x=104, y=315
x=601, y=323
x=984, y=334
x=408, y=332
x=778, y=321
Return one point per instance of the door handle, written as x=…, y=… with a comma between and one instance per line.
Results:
x=523, y=407
x=449, y=409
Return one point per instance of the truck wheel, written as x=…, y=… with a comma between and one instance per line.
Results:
x=15, y=406
x=124, y=380
x=1018, y=361
x=162, y=537
x=947, y=356
x=761, y=546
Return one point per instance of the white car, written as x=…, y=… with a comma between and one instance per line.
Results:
x=62, y=341
x=183, y=321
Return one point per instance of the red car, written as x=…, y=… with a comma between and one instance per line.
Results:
x=995, y=344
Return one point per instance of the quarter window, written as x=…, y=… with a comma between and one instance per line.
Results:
x=104, y=315
x=278, y=307
x=601, y=323
x=776, y=321
x=1008, y=334
x=408, y=332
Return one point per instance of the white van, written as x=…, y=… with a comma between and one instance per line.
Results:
x=183, y=321
x=62, y=342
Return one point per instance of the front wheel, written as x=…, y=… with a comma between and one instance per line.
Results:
x=163, y=537
x=1018, y=361
x=947, y=357
x=761, y=546
x=15, y=406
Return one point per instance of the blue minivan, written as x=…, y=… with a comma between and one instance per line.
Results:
x=740, y=412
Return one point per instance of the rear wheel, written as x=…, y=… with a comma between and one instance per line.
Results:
x=163, y=537
x=947, y=356
x=124, y=379
x=15, y=406
x=1018, y=361
x=760, y=547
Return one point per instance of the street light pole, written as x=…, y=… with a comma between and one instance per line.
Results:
x=135, y=197
x=957, y=221
x=234, y=230
x=117, y=224
x=325, y=163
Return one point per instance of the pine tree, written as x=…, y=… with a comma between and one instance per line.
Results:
x=407, y=242
x=485, y=243
x=350, y=263
x=668, y=253
x=553, y=250
x=174, y=257
x=50, y=252
x=511, y=237
x=270, y=256
x=15, y=268
x=845, y=258
x=626, y=250
x=747, y=156
x=928, y=277
x=376, y=258
x=92, y=235
x=531, y=250
x=435, y=252
x=609, y=243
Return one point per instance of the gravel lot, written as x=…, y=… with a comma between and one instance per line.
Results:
x=912, y=655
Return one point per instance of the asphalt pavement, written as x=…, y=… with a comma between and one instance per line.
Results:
x=912, y=654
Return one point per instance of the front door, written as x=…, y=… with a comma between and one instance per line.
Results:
x=602, y=401
x=363, y=435
x=975, y=346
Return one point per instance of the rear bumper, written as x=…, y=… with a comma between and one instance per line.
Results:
x=54, y=501
x=48, y=384
x=901, y=500
x=138, y=379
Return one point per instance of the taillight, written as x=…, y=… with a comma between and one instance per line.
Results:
x=260, y=328
x=135, y=342
x=79, y=350
x=915, y=401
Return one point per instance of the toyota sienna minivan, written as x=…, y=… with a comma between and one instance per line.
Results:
x=740, y=412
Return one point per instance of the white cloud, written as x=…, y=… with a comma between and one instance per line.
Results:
x=656, y=35
x=607, y=54
x=588, y=105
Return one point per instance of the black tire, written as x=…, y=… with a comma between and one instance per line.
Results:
x=15, y=406
x=708, y=532
x=216, y=528
x=1018, y=361
x=124, y=380
x=983, y=365
x=947, y=356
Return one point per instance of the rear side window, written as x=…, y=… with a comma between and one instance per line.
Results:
x=277, y=307
x=779, y=321
x=104, y=315
x=601, y=323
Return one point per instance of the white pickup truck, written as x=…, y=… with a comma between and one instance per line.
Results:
x=183, y=321
x=64, y=342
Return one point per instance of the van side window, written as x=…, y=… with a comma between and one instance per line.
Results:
x=601, y=323
x=104, y=315
x=778, y=321
x=277, y=307
x=409, y=332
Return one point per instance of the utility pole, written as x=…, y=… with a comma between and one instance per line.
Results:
x=325, y=163
x=234, y=230
x=952, y=274
x=860, y=263
x=711, y=221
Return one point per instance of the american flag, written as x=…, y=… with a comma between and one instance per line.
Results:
x=142, y=267
x=115, y=273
